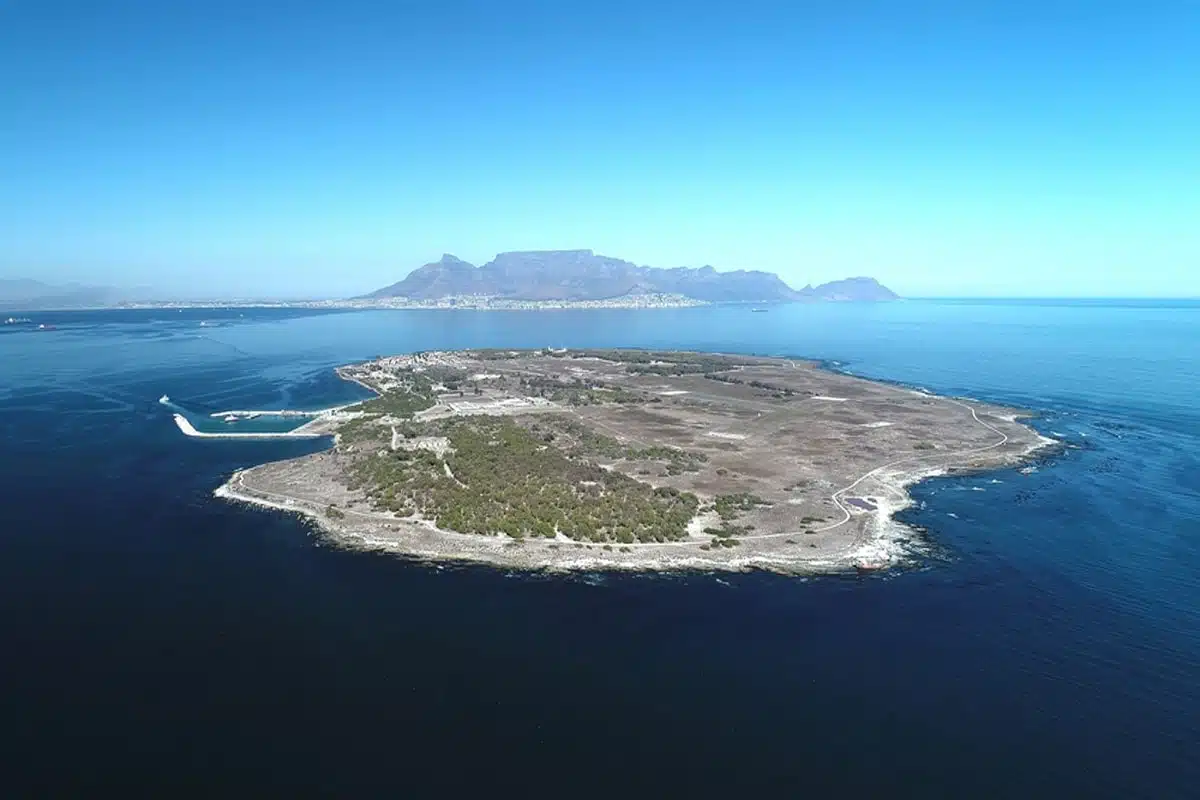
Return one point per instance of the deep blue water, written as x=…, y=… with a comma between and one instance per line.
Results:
x=158, y=639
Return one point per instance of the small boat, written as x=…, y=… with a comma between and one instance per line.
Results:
x=164, y=399
x=758, y=311
x=44, y=327
x=17, y=321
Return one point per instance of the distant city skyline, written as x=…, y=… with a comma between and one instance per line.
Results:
x=319, y=149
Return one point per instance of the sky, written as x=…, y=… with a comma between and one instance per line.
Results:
x=967, y=148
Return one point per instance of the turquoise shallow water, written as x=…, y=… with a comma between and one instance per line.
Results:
x=1049, y=645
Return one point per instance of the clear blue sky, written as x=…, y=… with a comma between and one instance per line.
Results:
x=304, y=148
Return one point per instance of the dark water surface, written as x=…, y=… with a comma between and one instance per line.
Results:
x=158, y=639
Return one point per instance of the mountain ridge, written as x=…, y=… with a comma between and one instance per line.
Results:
x=579, y=275
x=27, y=293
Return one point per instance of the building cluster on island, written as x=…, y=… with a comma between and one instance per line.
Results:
x=491, y=303
x=450, y=302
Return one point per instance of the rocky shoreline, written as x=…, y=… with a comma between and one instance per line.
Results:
x=889, y=543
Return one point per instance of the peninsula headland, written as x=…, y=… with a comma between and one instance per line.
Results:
x=630, y=459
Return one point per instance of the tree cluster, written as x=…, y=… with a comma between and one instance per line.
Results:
x=503, y=479
x=728, y=506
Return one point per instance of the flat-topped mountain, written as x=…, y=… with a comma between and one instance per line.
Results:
x=569, y=275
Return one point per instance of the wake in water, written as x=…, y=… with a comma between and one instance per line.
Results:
x=166, y=401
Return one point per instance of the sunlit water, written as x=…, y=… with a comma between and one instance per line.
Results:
x=1049, y=645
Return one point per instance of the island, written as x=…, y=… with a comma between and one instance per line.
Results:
x=631, y=459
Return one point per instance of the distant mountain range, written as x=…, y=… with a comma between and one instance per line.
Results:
x=23, y=293
x=546, y=275
x=567, y=275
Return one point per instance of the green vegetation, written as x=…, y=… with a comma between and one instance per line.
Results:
x=503, y=479
x=595, y=396
x=728, y=530
x=362, y=429
x=924, y=446
x=675, y=459
x=492, y=354
x=658, y=362
x=450, y=377
x=415, y=394
x=728, y=506
x=774, y=390
x=401, y=402
x=577, y=439
x=578, y=392
x=334, y=513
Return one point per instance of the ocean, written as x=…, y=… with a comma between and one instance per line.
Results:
x=158, y=640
